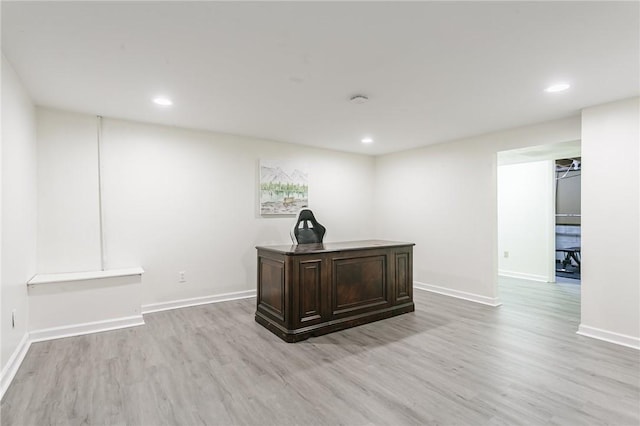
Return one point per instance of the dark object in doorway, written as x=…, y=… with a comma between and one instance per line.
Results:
x=571, y=254
x=569, y=267
x=567, y=270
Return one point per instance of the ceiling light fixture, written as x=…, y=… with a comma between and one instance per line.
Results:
x=367, y=140
x=560, y=87
x=162, y=101
x=359, y=99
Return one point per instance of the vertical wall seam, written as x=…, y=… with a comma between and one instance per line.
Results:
x=103, y=259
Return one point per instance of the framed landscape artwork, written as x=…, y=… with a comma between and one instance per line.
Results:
x=283, y=187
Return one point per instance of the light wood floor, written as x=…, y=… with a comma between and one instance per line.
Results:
x=450, y=362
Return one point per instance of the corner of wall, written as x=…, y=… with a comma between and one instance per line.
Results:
x=611, y=222
x=18, y=207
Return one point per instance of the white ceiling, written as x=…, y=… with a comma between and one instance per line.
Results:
x=434, y=71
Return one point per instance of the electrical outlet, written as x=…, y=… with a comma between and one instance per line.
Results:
x=181, y=277
x=506, y=254
x=13, y=319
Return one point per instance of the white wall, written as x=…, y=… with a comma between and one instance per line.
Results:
x=68, y=220
x=182, y=200
x=443, y=198
x=67, y=308
x=526, y=220
x=18, y=208
x=610, y=221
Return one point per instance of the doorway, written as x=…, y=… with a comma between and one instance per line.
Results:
x=568, y=230
x=535, y=210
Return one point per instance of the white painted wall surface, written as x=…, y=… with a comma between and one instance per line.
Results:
x=68, y=304
x=611, y=220
x=526, y=220
x=68, y=221
x=184, y=200
x=18, y=207
x=2, y=344
x=444, y=198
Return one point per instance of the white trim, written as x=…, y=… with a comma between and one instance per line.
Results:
x=523, y=276
x=85, y=328
x=491, y=301
x=609, y=336
x=196, y=301
x=15, y=361
x=81, y=276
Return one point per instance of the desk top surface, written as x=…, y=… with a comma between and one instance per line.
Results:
x=298, y=249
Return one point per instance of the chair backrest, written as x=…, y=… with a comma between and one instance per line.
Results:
x=307, y=230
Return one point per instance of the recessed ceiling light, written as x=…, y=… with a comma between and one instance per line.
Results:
x=560, y=87
x=367, y=140
x=161, y=100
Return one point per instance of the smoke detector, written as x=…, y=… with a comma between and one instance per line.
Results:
x=359, y=99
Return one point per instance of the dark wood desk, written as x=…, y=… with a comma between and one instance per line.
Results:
x=312, y=289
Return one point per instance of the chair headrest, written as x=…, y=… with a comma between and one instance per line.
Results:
x=307, y=234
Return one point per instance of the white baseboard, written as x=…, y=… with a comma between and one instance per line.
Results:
x=85, y=328
x=196, y=301
x=491, y=301
x=10, y=370
x=609, y=336
x=523, y=276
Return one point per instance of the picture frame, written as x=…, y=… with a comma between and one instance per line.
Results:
x=284, y=187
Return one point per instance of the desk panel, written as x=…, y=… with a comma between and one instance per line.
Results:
x=271, y=295
x=358, y=283
x=310, y=290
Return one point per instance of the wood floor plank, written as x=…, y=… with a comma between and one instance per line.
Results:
x=449, y=362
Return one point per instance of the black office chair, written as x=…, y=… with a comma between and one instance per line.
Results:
x=307, y=230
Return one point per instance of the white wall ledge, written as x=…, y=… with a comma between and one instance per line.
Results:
x=39, y=279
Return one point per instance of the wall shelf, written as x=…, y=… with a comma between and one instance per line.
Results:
x=40, y=279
